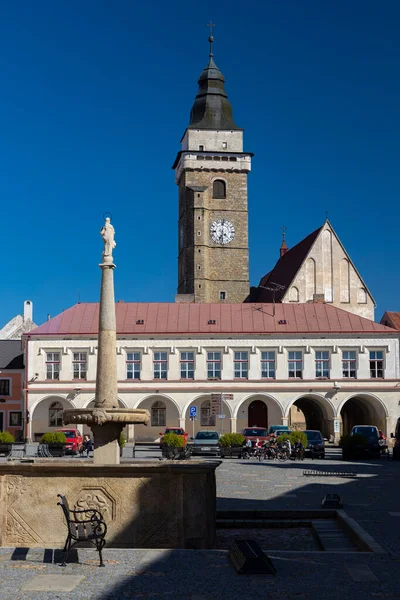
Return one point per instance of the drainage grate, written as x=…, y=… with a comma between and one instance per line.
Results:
x=348, y=475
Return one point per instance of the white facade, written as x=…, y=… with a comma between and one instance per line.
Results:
x=331, y=404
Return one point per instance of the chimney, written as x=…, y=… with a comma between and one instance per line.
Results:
x=28, y=311
x=318, y=298
x=48, y=316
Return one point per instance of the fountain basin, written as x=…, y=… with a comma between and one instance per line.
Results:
x=145, y=504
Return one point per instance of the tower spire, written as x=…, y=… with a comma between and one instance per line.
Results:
x=283, y=249
x=211, y=37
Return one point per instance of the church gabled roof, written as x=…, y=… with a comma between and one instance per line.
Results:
x=211, y=108
x=391, y=319
x=284, y=271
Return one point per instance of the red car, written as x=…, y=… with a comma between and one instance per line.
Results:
x=254, y=433
x=177, y=431
x=74, y=440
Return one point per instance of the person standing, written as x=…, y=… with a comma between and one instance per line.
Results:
x=87, y=445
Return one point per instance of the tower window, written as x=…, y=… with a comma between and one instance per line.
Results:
x=219, y=189
x=224, y=145
x=201, y=148
x=222, y=295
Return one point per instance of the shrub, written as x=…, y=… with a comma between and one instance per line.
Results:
x=283, y=437
x=298, y=436
x=231, y=439
x=6, y=438
x=57, y=437
x=171, y=440
x=122, y=440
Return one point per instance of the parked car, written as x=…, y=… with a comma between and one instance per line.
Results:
x=177, y=431
x=206, y=443
x=279, y=432
x=316, y=444
x=274, y=428
x=252, y=433
x=371, y=433
x=396, y=437
x=74, y=440
x=382, y=441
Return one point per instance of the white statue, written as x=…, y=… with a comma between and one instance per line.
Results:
x=107, y=232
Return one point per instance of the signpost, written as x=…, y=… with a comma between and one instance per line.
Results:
x=193, y=417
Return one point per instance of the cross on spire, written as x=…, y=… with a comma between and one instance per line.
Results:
x=283, y=233
x=210, y=37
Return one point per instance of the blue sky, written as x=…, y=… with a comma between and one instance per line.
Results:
x=96, y=95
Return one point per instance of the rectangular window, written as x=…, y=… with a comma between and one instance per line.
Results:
x=53, y=365
x=214, y=365
x=295, y=364
x=160, y=365
x=222, y=295
x=349, y=364
x=15, y=418
x=79, y=365
x=4, y=387
x=376, y=364
x=268, y=365
x=241, y=365
x=133, y=365
x=187, y=365
x=322, y=363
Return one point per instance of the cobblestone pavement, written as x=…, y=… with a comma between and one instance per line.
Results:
x=372, y=499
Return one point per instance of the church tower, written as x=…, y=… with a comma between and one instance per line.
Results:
x=211, y=173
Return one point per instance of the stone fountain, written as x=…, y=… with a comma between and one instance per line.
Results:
x=106, y=419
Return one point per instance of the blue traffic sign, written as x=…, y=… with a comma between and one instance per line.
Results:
x=193, y=411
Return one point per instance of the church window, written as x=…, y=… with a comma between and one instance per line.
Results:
x=56, y=414
x=376, y=364
x=133, y=365
x=293, y=294
x=362, y=296
x=222, y=295
x=53, y=365
x=158, y=414
x=241, y=364
x=349, y=363
x=233, y=158
x=207, y=419
x=201, y=148
x=199, y=233
x=198, y=267
x=322, y=363
x=160, y=365
x=295, y=364
x=214, y=365
x=187, y=365
x=224, y=144
x=79, y=365
x=268, y=364
x=219, y=189
x=4, y=387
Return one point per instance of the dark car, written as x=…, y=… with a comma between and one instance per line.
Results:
x=274, y=428
x=371, y=433
x=316, y=444
x=206, y=443
x=396, y=445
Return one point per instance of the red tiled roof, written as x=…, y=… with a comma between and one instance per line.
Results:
x=284, y=271
x=174, y=319
x=392, y=319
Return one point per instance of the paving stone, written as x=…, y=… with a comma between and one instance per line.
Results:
x=53, y=583
x=361, y=573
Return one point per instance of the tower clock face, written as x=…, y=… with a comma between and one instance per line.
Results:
x=222, y=231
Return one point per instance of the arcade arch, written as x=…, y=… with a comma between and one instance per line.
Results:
x=312, y=411
x=363, y=409
x=205, y=417
x=45, y=415
x=162, y=409
x=259, y=410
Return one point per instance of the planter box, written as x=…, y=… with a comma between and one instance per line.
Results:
x=231, y=451
x=5, y=448
x=57, y=449
x=176, y=453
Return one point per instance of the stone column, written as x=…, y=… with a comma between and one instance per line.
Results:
x=285, y=421
x=233, y=424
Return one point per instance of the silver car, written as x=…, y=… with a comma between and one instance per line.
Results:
x=206, y=443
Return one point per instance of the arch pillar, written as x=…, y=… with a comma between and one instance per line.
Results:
x=182, y=422
x=285, y=421
x=233, y=424
x=130, y=433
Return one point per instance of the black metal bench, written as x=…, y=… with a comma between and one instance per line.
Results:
x=83, y=526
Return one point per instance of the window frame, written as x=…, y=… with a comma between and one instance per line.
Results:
x=9, y=393
x=207, y=419
x=186, y=362
x=324, y=361
x=135, y=362
x=214, y=361
x=79, y=362
x=161, y=410
x=160, y=362
x=239, y=362
x=53, y=363
x=376, y=360
x=13, y=412
x=57, y=418
x=295, y=361
x=350, y=360
x=267, y=361
x=219, y=196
